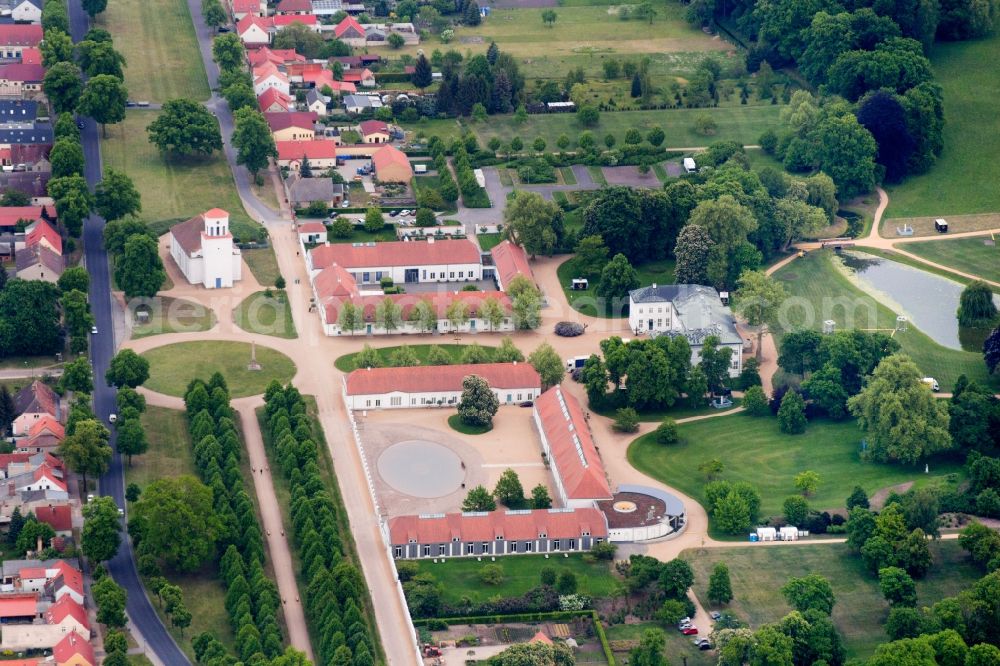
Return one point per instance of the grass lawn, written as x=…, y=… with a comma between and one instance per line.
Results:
x=826, y=293
x=175, y=190
x=28, y=362
x=455, y=421
x=170, y=456
x=267, y=315
x=758, y=573
x=172, y=367
x=960, y=181
x=263, y=264
x=680, y=410
x=678, y=646
x=567, y=175
x=360, y=235
x=924, y=226
x=587, y=301
x=597, y=174
x=753, y=449
x=159, y=45
x=431, y=182
x=488, y=241
x=459, y=577
x=916, y=263
x=174, y=315
x=970, y=255
x=346, y=362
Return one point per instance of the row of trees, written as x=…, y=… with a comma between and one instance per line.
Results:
x=336, y=592
x=492, y=80
x=508, y=492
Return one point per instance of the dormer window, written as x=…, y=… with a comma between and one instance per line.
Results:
x=499, y=537
x=541, y=535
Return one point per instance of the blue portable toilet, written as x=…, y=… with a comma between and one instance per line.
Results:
x=753, y=538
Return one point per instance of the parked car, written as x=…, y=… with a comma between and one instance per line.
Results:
x=225, y=28
x=393, y=213
x=81, y=124
x=93, y=330
x=702, y=643
x=690, y=631
x=130, y=103
x=683, y=621
x=715, y=615
x=527, y=403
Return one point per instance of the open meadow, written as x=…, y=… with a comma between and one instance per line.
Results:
x=970, y=255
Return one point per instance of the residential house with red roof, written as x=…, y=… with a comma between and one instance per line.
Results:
x=496, y=533
x=311, y=233
x=568, y=445
x=273, y=100
x=509, y=261
x=58, y=516
x=44, y=435
x=64, y=580
x=323, y=78
x=254, y=30
x=33, y=402
x=362, y=77
x=74, y=650
x=43, y=234
x=281, y=22
x=392, y=165
x=11, y=215
x=203, y=249
x=294, y=8
x=374, y=131
x=58, y=621
x=68, y=614
x=242, y=8
x=293, y=126
x=267, y=77
x=280, y=57
x=40, y=262
x=14, y=37
x=42, y=478
x=404, y=261
x=321, y=153
x=21, y=80
x=350, y=31
x=429, y=386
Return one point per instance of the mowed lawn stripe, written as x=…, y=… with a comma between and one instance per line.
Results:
x=159, y=45
x=969, y=255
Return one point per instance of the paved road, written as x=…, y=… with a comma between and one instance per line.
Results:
x=102, y=348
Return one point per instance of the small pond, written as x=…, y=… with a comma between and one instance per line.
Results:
x=929, y=300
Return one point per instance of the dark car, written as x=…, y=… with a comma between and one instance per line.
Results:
x=225, y=28
x=527, y=403
x=130, y=103
x=81, y=124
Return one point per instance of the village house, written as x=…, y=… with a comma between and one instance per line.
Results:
x=316, y=102
x=203, y=249
x=254, y=30
x=304, y=191
x=311, y=233
x=441, y=385
x=44, y=477
x=361, y=103
x=294, y=126
x=363, y=77
x=23, y=11
x=45, y=434
x=32, y=403
x=403, y=261
x=15, y=37
x=39, y=263
x=56, y=622
x=42, y=234
x=350, y=32
x=392, y=165
x=74, y=650
x=567, y=442
x=281, y=22
x=294, y=8
x=273, y=100
x=509, y=261
x=321, y=153
x=57, y=516
x=27, y=215
x=496, y=533
x=22, y=81
x=279, y=57
x=242, y=8
x=267, y=77
x=374, y=131
x=693, y=311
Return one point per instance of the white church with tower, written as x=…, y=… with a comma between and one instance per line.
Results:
x=203, y=249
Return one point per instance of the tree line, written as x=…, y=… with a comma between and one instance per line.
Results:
x=336, y=594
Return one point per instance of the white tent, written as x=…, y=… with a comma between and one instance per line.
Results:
x=766, y=533
x=789, y=533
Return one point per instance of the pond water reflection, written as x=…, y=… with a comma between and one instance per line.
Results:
x=929, y=300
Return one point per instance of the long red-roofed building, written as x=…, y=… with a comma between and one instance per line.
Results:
x=510, y=261
x=404, y=261
x=496, y=533
x=426, y=386
x=568, y=444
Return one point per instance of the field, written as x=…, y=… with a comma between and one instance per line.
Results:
x=172, y=367
x=346, y=362
x=757, y=574
x=825, y=292
x=176, y=190
x=159, y=45
x=739, y=123
x=970, y=255
x=584, y=300
x=961, y=181
x=266, y=314
x=459, y=577
x=753, y=449
x=174, y=315
x=263, y=264
x=170, y=455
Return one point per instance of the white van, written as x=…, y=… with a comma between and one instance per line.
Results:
x=932, y=383
x=575, y=362
x=689, y=165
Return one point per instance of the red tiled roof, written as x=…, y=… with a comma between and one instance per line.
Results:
x=335, y=282
x=277, y=56
x=244, y=23
x=188, y=233
x=43, y=230
x=431, y=379
x=6, y=459
x=48, y=423
x=345, y=25
x=358, y=76
x=18, y=605
x=510, y=261
x=60, y=516
x=540, y=637
x=278, y=121
x=9, y=215
x=265, y=70
x=373, y=127
x=246, y=6
x=285, y=20
x=317, y=149
x=312, y=228
x=22, y=72
x=388, y=156
x=64, y=608
x=31, y=55
x=294, y=6
x=395, y=253
x=511, y=525
x=43, y=471
x=324, y=77
x=573, y=452
x=273, y=96
x=70, y=646
x=19, y=34
x=71, y=577
x=37, y=398
x=31, y=573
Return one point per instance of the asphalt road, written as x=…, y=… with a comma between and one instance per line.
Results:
x=102, y=348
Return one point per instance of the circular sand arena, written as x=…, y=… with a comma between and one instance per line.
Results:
x=421, y=469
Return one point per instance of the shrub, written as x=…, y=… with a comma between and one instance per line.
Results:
x=626, y=420
x=666, y=433
x=568, y=329
x=491, y=574
x=548, y=576
x=755, y=402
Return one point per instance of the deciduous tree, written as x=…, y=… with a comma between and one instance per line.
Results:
x=86, y=451
x=533, y=223
x=127, y=369
x=548, y=364
x=478, y=403
x=116, y=196
x=178, y=521
x=185, y=127
x=103, y=99
x=101, y=534
x=139, y=271
x=253, y=140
